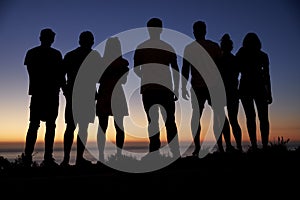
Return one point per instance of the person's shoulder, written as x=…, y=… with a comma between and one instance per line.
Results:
x=33, y=49
x=169, y=46
x=212, y=44
x=191, y=44
x=263, y=53
x=72, y=52
x=55, y=51
x=124, y=61
x=240, y=51
x=142, y=45
x=95, y=53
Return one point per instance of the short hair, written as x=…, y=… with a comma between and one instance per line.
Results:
x=199, y=26
x=154, y=22
x=46, y=33
x=86, y=38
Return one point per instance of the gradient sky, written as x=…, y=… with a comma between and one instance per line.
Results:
x=277, y=23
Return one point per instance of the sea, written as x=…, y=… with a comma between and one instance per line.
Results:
x=13, y=150
x=137, y=150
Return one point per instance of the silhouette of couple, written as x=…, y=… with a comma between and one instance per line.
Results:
x=154, y=61
x=254, y=86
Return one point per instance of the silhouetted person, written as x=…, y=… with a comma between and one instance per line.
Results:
x=111, y=99
x=255, y=87
x=45, y=81
x=201, y=93
x=153, y=60
x=72, y=62
x=230, y=75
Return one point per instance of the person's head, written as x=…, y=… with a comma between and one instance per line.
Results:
x=226, y=43
x=86, y=39
x=47, y=37
x=154, y=27
x=199, y=30
x=251, y=41
x=112, y=48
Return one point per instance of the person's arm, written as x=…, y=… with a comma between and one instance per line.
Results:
x=175, y=74
x=125, y=71
x=185, y=72
x=267, y=80
x=62, y=77
x=137, y=63
x=65, y=71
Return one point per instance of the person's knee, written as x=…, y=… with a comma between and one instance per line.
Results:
x=50, y=126
x=34, y=125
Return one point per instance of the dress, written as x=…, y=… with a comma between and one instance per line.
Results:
x=111, y=100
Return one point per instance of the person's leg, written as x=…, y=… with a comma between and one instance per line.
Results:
x=32, y=130
x=219, y=127
x=152, y=113
x=68, y=141
x=198, y=101
x=248, y=105
x=226, y=135
x=81, y=142
x=263, y=115
x=49, y=139
x=232, y=109
x=120, y=133
x=69, y=132
x=31, y=137
x=172, y=133
x=101, y=136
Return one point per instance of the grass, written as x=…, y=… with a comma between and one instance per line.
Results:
x=276, y=168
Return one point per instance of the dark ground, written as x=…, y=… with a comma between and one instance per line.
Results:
x=243, y=175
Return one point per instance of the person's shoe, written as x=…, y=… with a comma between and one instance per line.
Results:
x=49, y=162
x=64, y=163
x=196, y=152
x=152, y=156
x=253, y=149
x=240, y=149
x=26, y=160
x=231, y=149
x=83, y=163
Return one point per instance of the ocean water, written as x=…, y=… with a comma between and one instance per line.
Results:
x=13, y=151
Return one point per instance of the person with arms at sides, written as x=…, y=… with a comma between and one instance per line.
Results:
x=201, y=93
x=110, y=98
x=255, y=87
x=72, y=62
x=154, y=61
x=230, y=74
x=44, y=66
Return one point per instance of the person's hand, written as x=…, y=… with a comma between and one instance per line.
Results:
x=269, y=100
x=176, y=94
x=185, y=94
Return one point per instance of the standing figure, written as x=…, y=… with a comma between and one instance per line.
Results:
x=44, y=66
x=153, y=60
x=110, y=98
x=72, y=62
x=255, y=87
x=230, y=74
x=201, y=93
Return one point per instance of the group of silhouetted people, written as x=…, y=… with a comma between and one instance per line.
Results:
x=155, y=63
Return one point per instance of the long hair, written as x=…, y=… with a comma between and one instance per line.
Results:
x=251, y=41
x=112, y=49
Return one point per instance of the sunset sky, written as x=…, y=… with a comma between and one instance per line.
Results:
x=277, y=23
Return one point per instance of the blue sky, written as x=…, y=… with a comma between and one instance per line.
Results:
x=276, y=23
